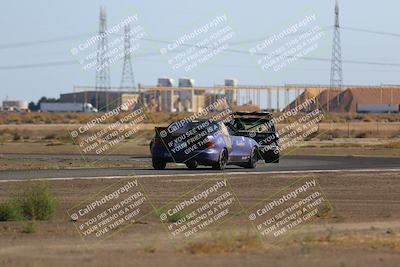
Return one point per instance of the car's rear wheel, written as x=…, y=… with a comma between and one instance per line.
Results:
x=253, y=158
x=222, y=160
x=159, y=163
x=192, y=164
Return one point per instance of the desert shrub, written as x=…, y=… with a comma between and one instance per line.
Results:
x=324, y=137
x=4, y=137
x=348, y=118
x=50, y=136
x=361, y=135
x=393, y=119
x=357, y=116
x=38, y=203
x=311, y=136
x=34, y=203
x=331, y=134
x=368, y=119
x=29, y=228
x=16, y=136
x=11, y=211
x=54, y=143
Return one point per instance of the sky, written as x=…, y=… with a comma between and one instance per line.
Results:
x=45, y=31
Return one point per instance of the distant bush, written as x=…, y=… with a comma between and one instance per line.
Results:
x=38, y=203
x=11, y=210
x=35, y=203
x=330, y=135
x=368, y=119
x=29, y=228
x=311, y=136
x=361, y=135
x=16, y=136
x=50, y=136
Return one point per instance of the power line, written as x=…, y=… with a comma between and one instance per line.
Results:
x=61, y=63
x=371, y=31
x=76, y=36
x=45, y=41
x=323, y=29
x=266, y=54
x=39, y=65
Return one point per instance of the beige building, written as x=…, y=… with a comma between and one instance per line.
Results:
x=15, y=105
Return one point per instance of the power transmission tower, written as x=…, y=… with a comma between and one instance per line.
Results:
x=103, y=82
x=127, y=79
x=336, y=80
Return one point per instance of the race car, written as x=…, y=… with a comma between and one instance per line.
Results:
x=260, y=127
x=202, y=142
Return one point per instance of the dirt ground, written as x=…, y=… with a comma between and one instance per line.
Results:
x=361, y=229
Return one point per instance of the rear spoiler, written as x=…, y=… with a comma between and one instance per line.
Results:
x=159, y=129
x=242, y=114
x=242, y=118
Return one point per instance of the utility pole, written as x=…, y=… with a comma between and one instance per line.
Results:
x=127, y=79
x=336, y=80
x=103, y=82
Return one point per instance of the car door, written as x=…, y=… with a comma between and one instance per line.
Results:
x=242, y=148
x=239, y=147
x=225, y=138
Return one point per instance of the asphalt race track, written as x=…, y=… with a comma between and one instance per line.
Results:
x=300, y=164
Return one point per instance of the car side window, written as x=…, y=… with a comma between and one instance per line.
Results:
x=229, y=129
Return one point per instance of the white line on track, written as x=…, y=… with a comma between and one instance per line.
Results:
x=200, y=174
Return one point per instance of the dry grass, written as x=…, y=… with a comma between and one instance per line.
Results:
x=80, y=117
x=388, y=240
x=60, y=132
x=223, y=243
x=395, y=145
x=160, y=117
x=56, y=132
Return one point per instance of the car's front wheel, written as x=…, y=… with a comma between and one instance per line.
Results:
x=159, y=163
x=192, y=164
x=222, y=160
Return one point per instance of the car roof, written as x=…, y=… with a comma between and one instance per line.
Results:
x=194, y=122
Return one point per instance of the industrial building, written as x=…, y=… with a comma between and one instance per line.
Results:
x=374, y=100
x=330, y=99
x=15, y=105
x=186, y=97
x=183, y=98
x=353, y=99
x=102, y=100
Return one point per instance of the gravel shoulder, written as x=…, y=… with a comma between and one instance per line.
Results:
x=362, y=230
